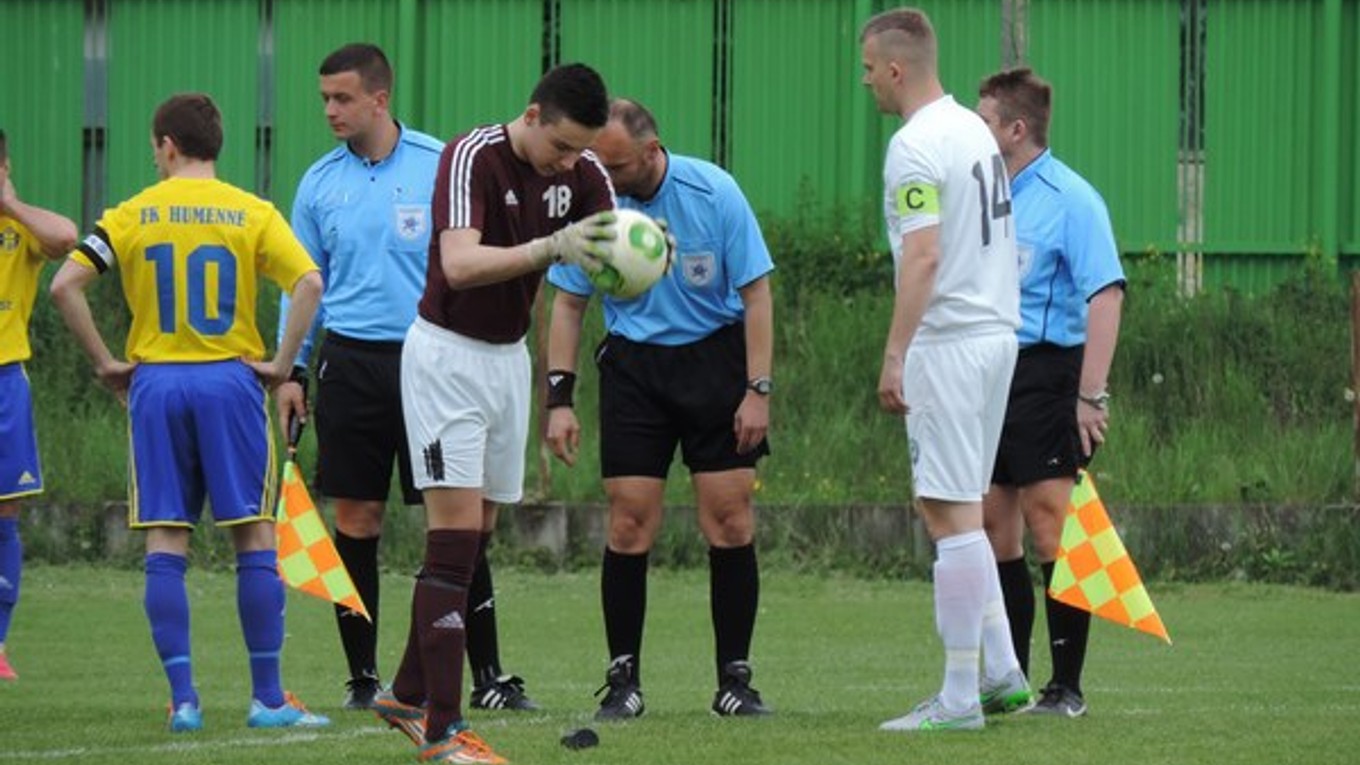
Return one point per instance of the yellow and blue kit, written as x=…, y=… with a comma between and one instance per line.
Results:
x=190, y=253
x=21, y=263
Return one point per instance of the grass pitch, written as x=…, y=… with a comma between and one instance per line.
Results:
x=1257, y=675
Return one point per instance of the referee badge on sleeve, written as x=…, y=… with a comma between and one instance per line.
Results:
x=413, y=221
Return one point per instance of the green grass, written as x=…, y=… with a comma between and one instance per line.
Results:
x=1258, y=674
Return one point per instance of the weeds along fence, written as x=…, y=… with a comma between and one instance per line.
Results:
x=1230, y=452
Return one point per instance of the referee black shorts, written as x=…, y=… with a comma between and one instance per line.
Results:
x=653, y=397
x=359, y=425
x=1039, y=440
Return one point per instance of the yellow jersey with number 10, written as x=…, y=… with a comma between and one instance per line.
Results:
x=21, y=262
x=191, y=252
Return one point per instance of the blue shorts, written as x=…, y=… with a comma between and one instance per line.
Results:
x=199, y=429
x=20, y=470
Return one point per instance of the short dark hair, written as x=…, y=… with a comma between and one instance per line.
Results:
x=4, y=147
x=574, y=91
x=193, y=122
x=637, y=121
x=366, y=59
x=1021, y=94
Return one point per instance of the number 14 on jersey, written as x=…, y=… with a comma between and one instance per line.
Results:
x=994, y=197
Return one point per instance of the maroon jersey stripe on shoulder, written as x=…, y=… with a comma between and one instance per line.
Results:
x=460, y=172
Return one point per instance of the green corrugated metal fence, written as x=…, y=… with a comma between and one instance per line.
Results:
x=479, y=62
x=297, y=126
x=42, y=99
x=1225, y=128
x=795, y=101
x=1350, y=115
x=1115, y=69
x=634, y=45
x=160, y=47
x=1260, y=125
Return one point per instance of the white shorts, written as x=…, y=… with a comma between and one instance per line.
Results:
x=466, y=406
x=956, y=390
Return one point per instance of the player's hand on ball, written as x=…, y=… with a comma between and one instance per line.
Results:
x=585, y=243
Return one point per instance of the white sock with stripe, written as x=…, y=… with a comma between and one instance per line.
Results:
x=960, y=593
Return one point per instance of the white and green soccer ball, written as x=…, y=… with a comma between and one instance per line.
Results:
x=638, y=257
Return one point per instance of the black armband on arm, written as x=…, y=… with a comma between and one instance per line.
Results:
x=561, y=386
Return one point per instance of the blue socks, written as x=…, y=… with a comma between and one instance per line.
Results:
x=167, y=608
x=11, y=568
x=260, y=603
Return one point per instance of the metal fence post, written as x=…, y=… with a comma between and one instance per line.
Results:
x=1329, y=130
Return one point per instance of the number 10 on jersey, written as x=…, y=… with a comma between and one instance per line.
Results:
x=205, y=318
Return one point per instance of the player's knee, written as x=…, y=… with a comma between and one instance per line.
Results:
x=728, y=527
x=631, y=530
x=1046, y=533
x=359, y=520
x=253, y=537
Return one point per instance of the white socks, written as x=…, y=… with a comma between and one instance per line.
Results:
x=961, y=593
x=998, y=650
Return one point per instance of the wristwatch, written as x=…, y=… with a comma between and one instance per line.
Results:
x=1099, y=400
x=761, y=385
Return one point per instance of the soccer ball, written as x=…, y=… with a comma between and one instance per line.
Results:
x=638, y=257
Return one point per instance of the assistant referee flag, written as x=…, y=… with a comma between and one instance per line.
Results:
x=308, y=560
x=1094, y=572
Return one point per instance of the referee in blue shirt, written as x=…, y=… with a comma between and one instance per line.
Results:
x=363, y=212
x=686, y=363
x=1071, y=293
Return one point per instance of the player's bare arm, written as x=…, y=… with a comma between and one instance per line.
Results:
x=469, y=263
x=56, y=234
x=915, y=282
x=563, y=432
x=1102, y=332
x=290, y=397
x=752, y=420
x=304, y=299
x=68, y=293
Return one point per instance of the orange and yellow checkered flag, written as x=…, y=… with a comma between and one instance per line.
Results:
x=308, y=560
x=1094, y=571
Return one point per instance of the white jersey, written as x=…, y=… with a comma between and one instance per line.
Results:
x=944, y=169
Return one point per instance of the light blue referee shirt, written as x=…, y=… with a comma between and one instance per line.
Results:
x=720, y=251
x=1067, y=251
x=367, y=225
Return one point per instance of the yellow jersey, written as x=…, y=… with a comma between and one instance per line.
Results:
x=191, y=252
x=21, y=263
